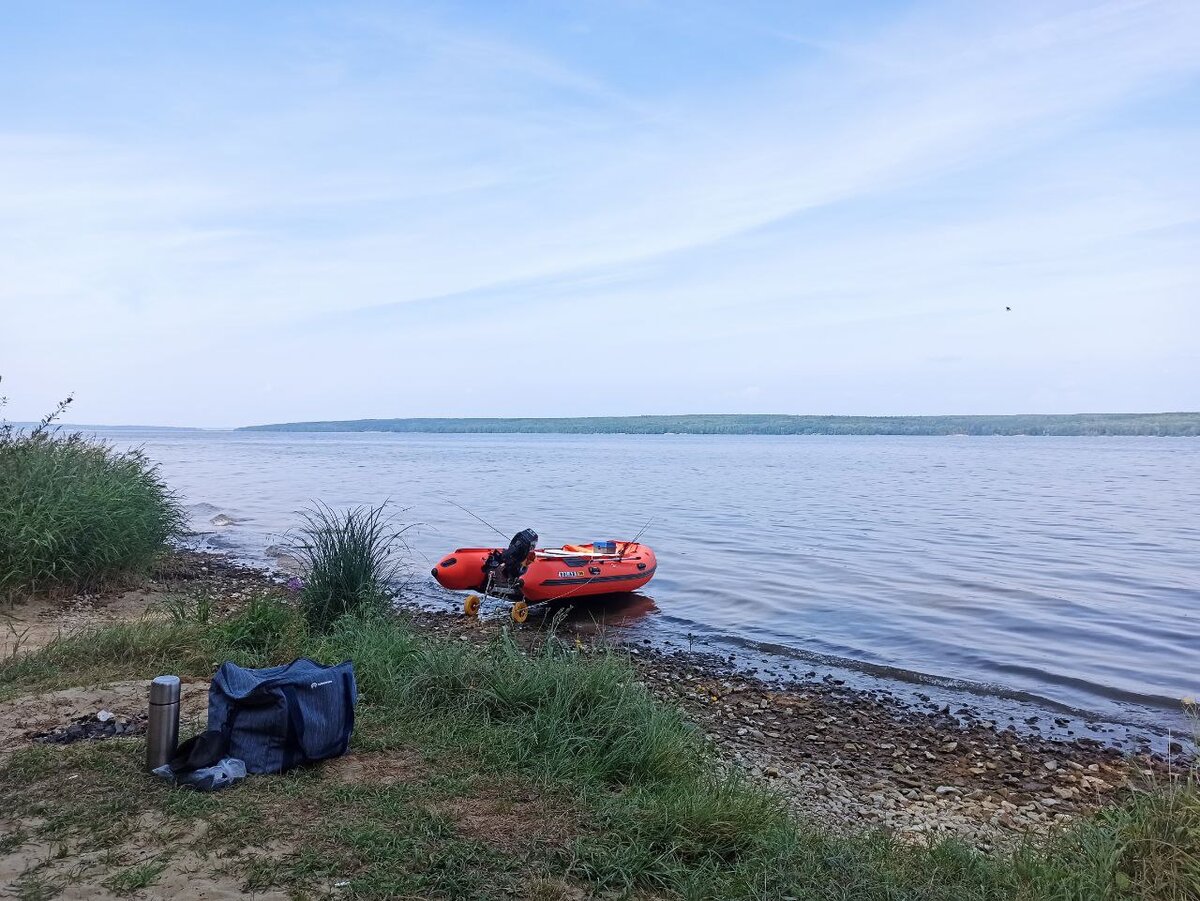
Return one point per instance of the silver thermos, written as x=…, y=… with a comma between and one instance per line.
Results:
x=162, y=729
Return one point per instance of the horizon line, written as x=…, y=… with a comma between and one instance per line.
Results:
x=627, y=416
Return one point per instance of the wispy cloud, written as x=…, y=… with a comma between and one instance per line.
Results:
x=868, y=191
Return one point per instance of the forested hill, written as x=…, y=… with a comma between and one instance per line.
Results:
x=1160, y=424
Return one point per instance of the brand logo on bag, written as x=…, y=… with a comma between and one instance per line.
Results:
x=319, y=684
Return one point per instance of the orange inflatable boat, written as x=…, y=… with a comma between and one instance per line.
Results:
x=527, y=574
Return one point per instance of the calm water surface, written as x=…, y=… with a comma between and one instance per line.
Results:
x=1060, y=570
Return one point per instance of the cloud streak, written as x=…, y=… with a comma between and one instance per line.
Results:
x=423, y=186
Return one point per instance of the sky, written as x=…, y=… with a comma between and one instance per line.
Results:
x=230, y=213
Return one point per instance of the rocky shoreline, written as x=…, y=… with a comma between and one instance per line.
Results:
x=850, y=759
x=844, y=757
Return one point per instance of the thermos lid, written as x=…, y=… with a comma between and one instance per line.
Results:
x=164, y=690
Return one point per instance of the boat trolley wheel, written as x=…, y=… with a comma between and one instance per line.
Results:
x=520, y=612
x=471, y=605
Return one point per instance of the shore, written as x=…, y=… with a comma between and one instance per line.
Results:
x=847, y=759
x=850, y=759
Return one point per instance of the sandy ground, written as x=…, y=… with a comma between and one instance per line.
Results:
x=20, y=718
x=29, y=625
x=81, y=874
x=32, y=624
x=502, y=816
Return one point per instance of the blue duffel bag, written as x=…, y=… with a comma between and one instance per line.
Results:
x=283, y=716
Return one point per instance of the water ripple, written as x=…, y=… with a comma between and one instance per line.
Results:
x=1057, y=568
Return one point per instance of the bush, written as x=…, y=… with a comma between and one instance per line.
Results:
x=75, y=512
x=349, y=560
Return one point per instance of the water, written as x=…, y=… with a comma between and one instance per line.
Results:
x=1060, y=571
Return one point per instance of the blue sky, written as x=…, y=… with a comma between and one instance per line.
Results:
x=226, y=213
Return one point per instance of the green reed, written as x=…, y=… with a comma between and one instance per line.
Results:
x=76, y=512
x=350, y=560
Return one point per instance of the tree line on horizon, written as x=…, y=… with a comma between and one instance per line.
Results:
x=1034, y=424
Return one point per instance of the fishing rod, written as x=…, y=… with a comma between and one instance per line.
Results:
x=642, y=530
x=481, y=519
x=625, y=547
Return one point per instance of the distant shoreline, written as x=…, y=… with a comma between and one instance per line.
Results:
x=1168, y=425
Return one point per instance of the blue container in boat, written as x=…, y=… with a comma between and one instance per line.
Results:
x=605, y=547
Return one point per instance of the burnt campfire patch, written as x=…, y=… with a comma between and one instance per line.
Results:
x=93, y=728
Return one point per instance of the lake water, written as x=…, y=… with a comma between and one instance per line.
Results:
x=1059, y=571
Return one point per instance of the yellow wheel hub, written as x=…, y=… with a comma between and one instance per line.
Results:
x=471, y=605
x=520, y=612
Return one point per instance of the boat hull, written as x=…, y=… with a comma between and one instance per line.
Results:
x=572, y=571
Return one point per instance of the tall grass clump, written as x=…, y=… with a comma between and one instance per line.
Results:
x=75, y=511
x=350, y=560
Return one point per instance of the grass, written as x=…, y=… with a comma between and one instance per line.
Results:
x=302, y=833
x=137, y=877
x=1149, y=847
x=263, y=633
x=628, y=798
x=349, y=561
x=76, y=512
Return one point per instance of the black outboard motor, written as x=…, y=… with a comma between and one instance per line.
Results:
x=512, y=561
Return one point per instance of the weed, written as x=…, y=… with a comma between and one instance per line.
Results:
x=1148, y=847
x=10, y=841
x=140, y=876
x=349, y=560
x=267, y=630
x=190, y=608
x=32, y=887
